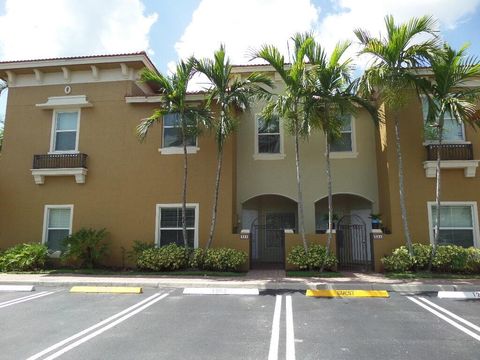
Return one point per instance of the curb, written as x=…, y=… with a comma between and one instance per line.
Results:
x=260, y=284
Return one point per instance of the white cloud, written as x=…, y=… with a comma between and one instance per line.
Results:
x=37, y=29
x=250, y=23
x=241, y=25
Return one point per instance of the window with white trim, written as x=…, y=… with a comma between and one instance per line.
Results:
x=345, y=142
x=65, y=131
x=268, y=136
x=58, y=226
x=172, y=132
x=458, y=225
x=452, y=130
x=170, y=225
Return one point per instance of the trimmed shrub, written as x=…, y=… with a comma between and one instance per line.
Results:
x=450, y=258
x=137, y=248
x=166, y=258
x=473, y=260
x=86, y=247
x=312, y=259
x=422, y=254
x=197, y=258
x=401, y=261
x=220, y=259
x=24, y=257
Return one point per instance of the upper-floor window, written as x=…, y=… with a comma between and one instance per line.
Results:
x=172, y=132
x=268, y=136
x=452, y=130
x=65, y=131
x=345, y=141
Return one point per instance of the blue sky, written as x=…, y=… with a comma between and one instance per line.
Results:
x=171, y=29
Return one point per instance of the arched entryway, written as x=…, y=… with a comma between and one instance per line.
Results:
x=353, y=225
x=267, y=217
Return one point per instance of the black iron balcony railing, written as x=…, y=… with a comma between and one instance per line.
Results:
x=450, y=152
x=59, y=161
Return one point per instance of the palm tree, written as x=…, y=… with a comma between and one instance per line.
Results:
x=446, y=94
x=228, y=94
x=294, y=103
x=173, y=89
x=335, y=96
x=394, y=56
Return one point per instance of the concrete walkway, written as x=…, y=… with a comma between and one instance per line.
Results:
x=270, y=280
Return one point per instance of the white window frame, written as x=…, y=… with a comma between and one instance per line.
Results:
x=46, y=213
x=268, y=156
x=348, y=154
x=428, y=142
x=158, y=213
x=473, y=206
x=176, y=150
x=54, y=131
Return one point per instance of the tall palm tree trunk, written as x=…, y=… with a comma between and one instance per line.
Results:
x=437, y=192
x=403, y=207
x=215, y=197
x=184, y=194
x=330, y=202
x=301, y=223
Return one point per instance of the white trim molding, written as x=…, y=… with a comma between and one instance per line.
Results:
x=158, y=208
x=46, y=210
x=469, y=167
x=472, y=204
x=176, y=150
x=59, y=102
x=39, y=174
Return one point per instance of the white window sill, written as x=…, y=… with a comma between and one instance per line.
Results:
x=63, y=152
x=445, y=142
x=343, y=155
x=469, y=167
x=178, y=150
x=269, y=156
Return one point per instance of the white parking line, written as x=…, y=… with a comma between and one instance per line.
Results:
x=273, y=351
x=449, y=313
x=123, y=315
x=290, y=334
x=25, y=298
x=443, y=317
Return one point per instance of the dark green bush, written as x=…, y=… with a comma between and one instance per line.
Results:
x=137, y=248
x=86, y=247
x=197, y=258
x=166, y=258
x=220, y=259
x=450, y=258
x=312, y=259
x=24, y=257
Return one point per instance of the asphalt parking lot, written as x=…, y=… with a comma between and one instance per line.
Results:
x=52, y=323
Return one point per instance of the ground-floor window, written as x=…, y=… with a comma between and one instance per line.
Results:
x=458, y=223
x=169, y=224
x=57, y=225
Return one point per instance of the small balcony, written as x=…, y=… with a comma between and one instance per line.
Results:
x=453, y=156
x=59, y=165
x=450, y=152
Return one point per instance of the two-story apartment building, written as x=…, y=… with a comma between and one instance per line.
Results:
x=71, y=159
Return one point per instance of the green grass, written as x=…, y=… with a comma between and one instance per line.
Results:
x=325, y=274
x=430, y=275
x=134, y=272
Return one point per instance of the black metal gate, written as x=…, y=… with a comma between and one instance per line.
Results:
x=354, y=247
x=267, y=246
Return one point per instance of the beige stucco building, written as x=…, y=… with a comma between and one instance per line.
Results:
x=71, y=159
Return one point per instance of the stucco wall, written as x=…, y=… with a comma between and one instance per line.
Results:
x=125, y=178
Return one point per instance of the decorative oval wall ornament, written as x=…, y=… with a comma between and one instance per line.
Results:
x=68, y=89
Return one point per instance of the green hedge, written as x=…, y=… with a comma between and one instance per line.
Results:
x=173, y=257
x=312, y=259
x=166, y=258
x=448, y=258
x=24, y=257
